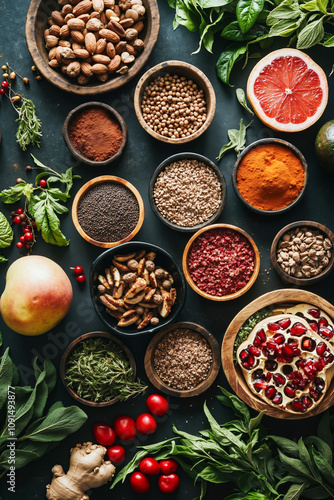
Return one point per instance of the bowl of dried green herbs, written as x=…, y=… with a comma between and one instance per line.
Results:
x=98, y=370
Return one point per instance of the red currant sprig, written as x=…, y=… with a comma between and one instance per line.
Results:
x=27, y=239
x=79, y=273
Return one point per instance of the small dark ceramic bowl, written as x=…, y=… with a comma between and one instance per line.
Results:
x=163, y=259
x=199, y=158
x=113, y=115
x=162, y=386
x=264, y=142
x=69, y=350
x=292, y=279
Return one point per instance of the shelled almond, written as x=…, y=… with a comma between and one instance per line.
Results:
x=101, y=38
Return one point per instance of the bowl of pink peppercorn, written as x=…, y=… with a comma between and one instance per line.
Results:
x=221, y=262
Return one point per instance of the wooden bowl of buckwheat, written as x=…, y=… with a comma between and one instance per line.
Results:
x=73, y=44
x=175, y=102
x=302, y=252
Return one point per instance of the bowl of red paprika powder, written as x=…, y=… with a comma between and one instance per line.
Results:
x=221, y=262
x=95, y=134
x=270, y=176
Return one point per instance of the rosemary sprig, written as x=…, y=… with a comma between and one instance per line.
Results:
x=29, y=129
x=99, y=370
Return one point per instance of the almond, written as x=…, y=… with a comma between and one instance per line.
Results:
x=76, y=24
x=110, y=50
x=82, y=79
x=116, y=27
x=51, y=41
x=94, y=24
x=54, y=30
x=127, y=23
x=68, y=17
x=54, y=63
x=82, y=7
x=100, y=45
x=81, y=53
x=120, y=47
x=84, y=17
x=64, y=31
x=139, y=26
x=52, y=53
x=67, y=9
x=57, y=18
x=77, y=36
x=109, y=35
x=64, y=43
x=98, y=5
x=129, y=48
x=99, y=69
x=86, y=69
x=100, y=58
x=114, y=64
x=90, y=42
x=102, y=78
x=109, y=4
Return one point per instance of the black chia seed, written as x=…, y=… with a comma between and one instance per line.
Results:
x=108, y=212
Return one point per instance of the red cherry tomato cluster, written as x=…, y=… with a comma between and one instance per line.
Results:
x=28, y=226
x=125, y=428
x=168, y=481
x=79, y=273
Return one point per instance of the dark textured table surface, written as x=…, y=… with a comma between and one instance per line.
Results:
x=142, y=156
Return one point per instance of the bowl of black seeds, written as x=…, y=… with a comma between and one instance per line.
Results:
x=108, y=211
x=187, y=192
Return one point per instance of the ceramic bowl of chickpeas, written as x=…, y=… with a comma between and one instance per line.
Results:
x=174, y=102
x=136, y=288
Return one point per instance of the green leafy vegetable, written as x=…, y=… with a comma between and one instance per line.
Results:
x=6, y=234
x=242, y=100
x=237, y=140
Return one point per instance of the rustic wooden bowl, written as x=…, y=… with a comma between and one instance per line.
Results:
x=99, y=180
x=225, y=297
x=155, y=379
x=187, y=156
x=263, y=142
x=182, y=69
x=113, y=114
x=37, y=22
x=291, y=279
x=163, y=258
x=234, y=373
x=68, y=351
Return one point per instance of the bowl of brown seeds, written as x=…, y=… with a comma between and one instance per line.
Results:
x=174, y=102
x=182, y=359
x=187, y=192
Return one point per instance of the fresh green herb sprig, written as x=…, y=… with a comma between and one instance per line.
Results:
x=99, y=370
x=43, y=204
x=37, y=430
x=237, y=140
x=6, y=235
x=29, y=129
x=240, y=452
x=248, y=326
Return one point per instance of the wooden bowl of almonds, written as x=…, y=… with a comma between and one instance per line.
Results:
x=302, y=252
x=136, y=288
x=90, y=47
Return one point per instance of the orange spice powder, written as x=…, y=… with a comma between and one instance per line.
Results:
x=270, y=177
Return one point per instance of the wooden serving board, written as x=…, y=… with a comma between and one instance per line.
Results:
x=233, y=372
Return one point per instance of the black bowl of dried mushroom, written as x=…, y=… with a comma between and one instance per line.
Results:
x=136, y=288
x=187, y=192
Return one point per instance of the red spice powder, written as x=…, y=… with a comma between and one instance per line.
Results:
x=221, y=261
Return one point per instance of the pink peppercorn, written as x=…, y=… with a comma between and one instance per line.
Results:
x=221, y=261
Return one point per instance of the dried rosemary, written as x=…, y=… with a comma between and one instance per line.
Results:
x=99, y=370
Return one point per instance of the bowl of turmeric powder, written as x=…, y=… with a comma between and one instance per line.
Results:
x=270, y=176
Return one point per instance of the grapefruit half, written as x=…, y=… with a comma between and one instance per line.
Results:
x=287, y=90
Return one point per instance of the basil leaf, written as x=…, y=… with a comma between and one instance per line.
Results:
x=287, y=445
x=294, y=492
x=285, y=27
x=13, y=194
x=233, y=32
x=188, y=18
x=255, y=422
x=329, y=42
x=6, y=232
x=57, y=194
x=291, y=479
x=323, y=466
x=227, y=59
x=239, y=407
x=305, y=456
x=316, y=493
x=207, y=33
x=204, y=4
x=46, y=220
x=6, y=376
x=288, y=9
x=247, y=12
x=22, y=458
x=294, y=465
x=322, y=5
x=312, y=34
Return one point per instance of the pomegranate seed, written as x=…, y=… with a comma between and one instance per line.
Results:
x=308, y=344
x=328, y=359
x=321, y=348
x=268, y=377
x=314, y=326
x=277, y=399
x=288, y=350
x=271, y=344
x=298, y=329
x=262, y=335
x=251, y=360
x=322, y=322
x=270, y=392
x=326, y=332
x=244, y=355
x=257, y=341
x=319, y=383
x=284, y=323
x=290, y=391
x=314, y=394
x=271, y=365
x=278, y=338
x=307, y=401
x=279, y=379
x=245, y=364
x=273, y=327
x=315, y=313
x=254, y=350
x=260, y=385
x=298, y=405
x=257, y=374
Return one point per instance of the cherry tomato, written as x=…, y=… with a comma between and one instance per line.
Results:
x=43, y=183
x=104, y=434
x=157, y=405
x=169, y=484
x=168, y=466
x=81, y=278
x=78, y=270
x=116, y=454
x=139, y=483
x=146, y=424
x=125, y=428
x=149, y=466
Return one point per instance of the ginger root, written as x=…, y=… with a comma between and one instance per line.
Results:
x=87, y=470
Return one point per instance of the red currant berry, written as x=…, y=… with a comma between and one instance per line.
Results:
x=28, y=236
x=78, y=270
x=43, y=183
x=19, y=211
x=4, y=84
x=2, y=91
x=22, y=217
x=27, y=229
x=19, y=244
x=81, y=278
x=28, y=246
x=17, y=219
x=22, y=238
x=34, y=225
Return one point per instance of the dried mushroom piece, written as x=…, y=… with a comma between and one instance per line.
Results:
x=286, y=363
